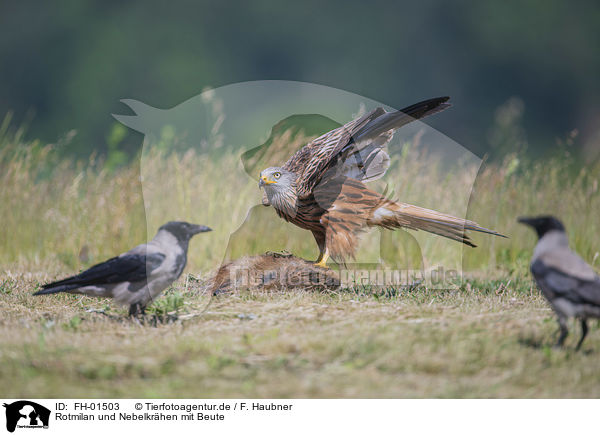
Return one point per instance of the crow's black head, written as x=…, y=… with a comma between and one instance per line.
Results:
x=542, y=224
x=184, y=231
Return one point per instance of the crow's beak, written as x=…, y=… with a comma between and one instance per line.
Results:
x=201, y=229
x=525, y=221
x=263, y=181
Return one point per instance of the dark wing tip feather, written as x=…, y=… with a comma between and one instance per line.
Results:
x=427, y=107
x=439, y=108
x=466, y=240
x=49, y=290
x=486, y=231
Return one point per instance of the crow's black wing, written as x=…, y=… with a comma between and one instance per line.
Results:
x=561, y=284
x=130, y=267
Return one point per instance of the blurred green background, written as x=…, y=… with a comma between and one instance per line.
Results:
x=65, y=65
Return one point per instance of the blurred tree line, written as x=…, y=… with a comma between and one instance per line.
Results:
x=65, y=65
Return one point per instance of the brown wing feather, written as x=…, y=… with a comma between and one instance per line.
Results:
x=312, y=160
x=351, y=207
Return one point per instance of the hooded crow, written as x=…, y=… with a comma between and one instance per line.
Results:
x=569, y=283
x=138, y=276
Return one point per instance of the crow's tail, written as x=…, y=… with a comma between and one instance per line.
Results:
x=48, y=289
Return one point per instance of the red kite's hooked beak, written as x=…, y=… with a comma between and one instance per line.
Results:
x=264, y=181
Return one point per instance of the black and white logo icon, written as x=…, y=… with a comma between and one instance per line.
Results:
x=26, y=414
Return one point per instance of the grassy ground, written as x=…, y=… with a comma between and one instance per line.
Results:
x=487, y=339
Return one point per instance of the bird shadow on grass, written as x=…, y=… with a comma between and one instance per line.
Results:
x=547, y=346
x=534, y=342
x=153, y=320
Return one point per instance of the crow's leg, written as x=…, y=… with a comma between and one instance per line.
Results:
x=137, y=309
x=584, y=331
x=564, y=331
x=134, y=309
x=137, y=313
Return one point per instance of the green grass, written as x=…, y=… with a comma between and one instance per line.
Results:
x=78, y=214
x=486, y=339
x=489, y=337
